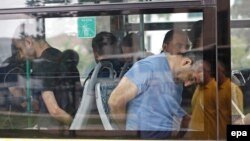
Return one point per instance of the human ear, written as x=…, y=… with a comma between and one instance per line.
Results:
x=96, y=55
x=186, y=62
x=164, y=46
x=28, y=42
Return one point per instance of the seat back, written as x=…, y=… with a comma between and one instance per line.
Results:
x=103, y=91
x=88, y=102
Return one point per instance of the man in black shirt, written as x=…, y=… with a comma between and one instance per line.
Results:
x=45, y=72
x=105, y=47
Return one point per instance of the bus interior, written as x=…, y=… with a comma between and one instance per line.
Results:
x=72, y=25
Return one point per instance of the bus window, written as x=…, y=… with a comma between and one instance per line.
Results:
x=60, y=66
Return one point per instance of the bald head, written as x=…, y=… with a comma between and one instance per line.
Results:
x=175, y=41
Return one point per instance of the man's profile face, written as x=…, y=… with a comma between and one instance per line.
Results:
x=107, y=51
x=183, y=69
x=179, y=44
x=106, y=46
x=198, y=74
x=190, y=74
x=24, y=52
x=185, y=76
x=110, y=49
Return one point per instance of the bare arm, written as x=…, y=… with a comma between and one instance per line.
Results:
x=121, y=95
x=53, y=108
x=16, y=91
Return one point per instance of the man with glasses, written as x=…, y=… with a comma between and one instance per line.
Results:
x=175, y=41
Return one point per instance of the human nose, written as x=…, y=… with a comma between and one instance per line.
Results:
x=188, y=83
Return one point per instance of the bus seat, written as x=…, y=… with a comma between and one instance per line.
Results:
x=127, y=65
x=88, y=102
x=103, y=90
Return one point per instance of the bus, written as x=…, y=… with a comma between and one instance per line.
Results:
x=74, y=26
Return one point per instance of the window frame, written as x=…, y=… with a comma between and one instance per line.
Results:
x=208, y=7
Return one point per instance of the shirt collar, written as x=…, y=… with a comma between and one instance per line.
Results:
x=224, y=84
x=210, y=83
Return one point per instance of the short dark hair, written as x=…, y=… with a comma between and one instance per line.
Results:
x=70, y=56
x=127, y=41
x=226, y=68
x=101, y=39
x=195, y=33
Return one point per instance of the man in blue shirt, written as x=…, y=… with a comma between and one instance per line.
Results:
x=149, y=95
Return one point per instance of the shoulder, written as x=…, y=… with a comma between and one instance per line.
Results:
x=153, y=60
x=155, y=57
x=51, y=50
x=212, y=84
x=149, y=65
x=52, y=54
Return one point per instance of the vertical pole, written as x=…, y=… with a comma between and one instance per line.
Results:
x=210, y=41
x=28, y=94
x=224, y=53
x=142, y=33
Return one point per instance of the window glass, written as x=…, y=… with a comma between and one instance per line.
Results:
x=240, y=48
x=160, y=18
x=239, y=9
x=240, y=60
x=240, y=57
x=81, y=59
x=65, y=37
x=173, y=20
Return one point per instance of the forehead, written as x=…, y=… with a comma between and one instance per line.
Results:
x=180, y=36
